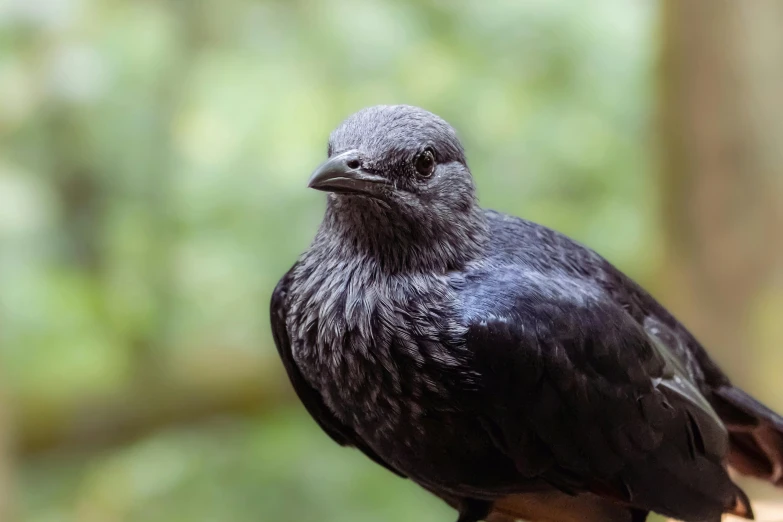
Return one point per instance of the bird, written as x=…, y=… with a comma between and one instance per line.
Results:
x=500, y=365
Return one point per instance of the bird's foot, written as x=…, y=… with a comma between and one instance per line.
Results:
x=471, y=510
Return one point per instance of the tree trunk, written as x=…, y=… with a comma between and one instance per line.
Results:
x=721, y=122
x=6, y=460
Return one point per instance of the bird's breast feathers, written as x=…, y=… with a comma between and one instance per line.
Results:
x=376, y=348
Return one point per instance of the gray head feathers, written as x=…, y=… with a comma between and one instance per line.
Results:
x=416, y=206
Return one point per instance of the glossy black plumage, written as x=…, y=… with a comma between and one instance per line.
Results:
x=497, y=363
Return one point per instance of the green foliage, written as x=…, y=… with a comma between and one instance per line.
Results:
x=152, y=191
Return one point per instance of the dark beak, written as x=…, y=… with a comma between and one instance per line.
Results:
x=344, y=174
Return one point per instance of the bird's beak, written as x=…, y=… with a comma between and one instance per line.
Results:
x=344, y=174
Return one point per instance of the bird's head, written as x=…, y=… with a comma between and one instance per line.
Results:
x=400, y=155
x=398, y=173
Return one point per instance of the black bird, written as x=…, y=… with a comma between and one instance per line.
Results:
x=497, y=363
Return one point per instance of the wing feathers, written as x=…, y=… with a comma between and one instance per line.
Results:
x=612, y=407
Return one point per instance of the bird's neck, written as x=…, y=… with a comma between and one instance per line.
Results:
x=375, y=233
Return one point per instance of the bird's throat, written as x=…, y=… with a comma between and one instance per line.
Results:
x=394, y=242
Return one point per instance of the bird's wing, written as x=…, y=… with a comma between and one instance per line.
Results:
x=578, y=394
x=312, y=400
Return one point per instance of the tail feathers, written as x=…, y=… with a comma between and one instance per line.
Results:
x=755, y=434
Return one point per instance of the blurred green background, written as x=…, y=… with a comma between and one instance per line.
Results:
x=153, y=162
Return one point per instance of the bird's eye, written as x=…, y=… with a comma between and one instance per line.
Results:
x=425, y=163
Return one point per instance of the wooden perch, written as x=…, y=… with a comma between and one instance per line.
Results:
x=765, y=512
